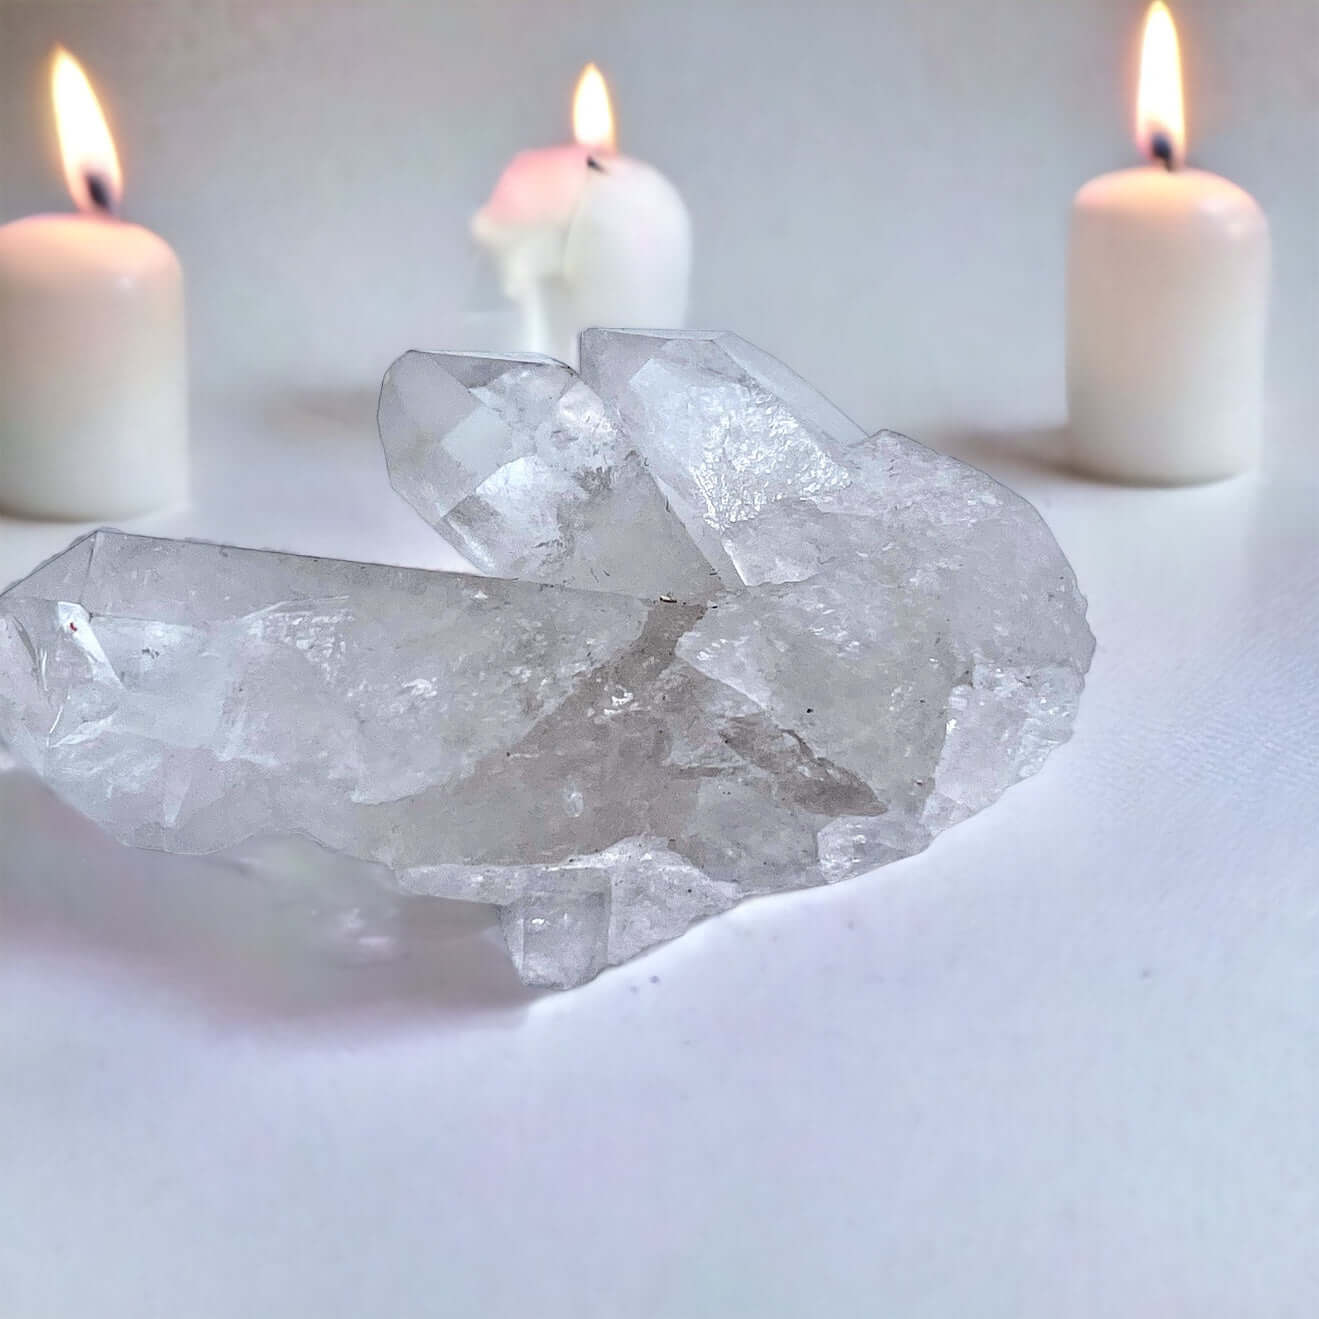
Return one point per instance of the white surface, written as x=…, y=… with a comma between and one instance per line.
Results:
x=1065, y=1063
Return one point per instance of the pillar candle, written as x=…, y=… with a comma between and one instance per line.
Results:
x=93, y=395
x=584, y=236
x=1167, y=293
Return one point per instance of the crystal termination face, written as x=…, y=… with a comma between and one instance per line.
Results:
x=733, y=646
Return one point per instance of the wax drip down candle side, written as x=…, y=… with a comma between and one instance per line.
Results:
x=1167, y=302
x=582, y=235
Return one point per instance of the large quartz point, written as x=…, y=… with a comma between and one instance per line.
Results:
x=755, y=649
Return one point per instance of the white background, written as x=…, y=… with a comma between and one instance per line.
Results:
x=1064, y=1063
x=879, y=187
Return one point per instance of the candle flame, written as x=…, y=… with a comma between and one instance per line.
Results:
x=91, y=164
x=1160, y=112
x=592, y=117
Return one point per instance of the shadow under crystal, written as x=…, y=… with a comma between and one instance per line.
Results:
x=278, y=930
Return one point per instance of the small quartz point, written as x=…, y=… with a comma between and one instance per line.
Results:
x=752, y=649
x=521, y=468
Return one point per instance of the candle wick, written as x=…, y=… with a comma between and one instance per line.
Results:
x=592, y=163
x=1161, y=149
x=99, y=191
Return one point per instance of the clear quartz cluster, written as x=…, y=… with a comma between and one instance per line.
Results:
x=729, y=645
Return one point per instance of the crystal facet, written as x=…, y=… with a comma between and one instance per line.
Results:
x=753, y=649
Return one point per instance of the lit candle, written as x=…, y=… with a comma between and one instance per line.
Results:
x=1167, y=296
x=93, y=371
x=583, y=236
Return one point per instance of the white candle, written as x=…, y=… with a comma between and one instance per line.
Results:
x=93, y=369
x=1167, y=298
x=583, y=236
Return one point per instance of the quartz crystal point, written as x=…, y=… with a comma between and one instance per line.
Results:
x=516, y=463
x=754, y=649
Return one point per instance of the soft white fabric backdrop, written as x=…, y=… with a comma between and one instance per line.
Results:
x=880, y=189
